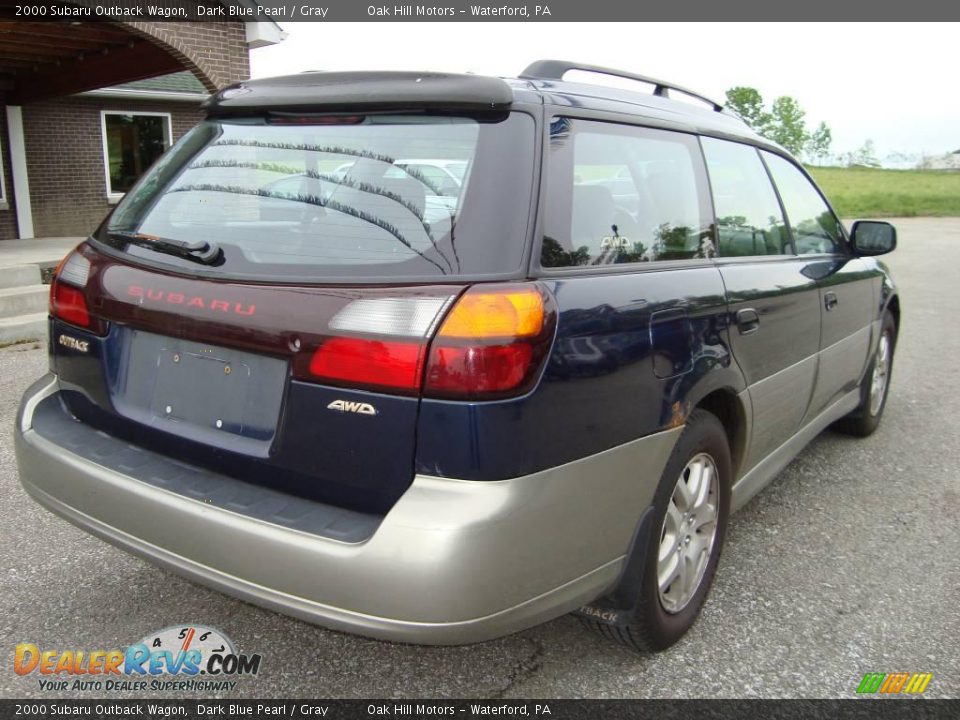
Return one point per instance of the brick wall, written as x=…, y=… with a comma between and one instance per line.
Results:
x=63, y=142
x=215, y=51
x=65, y=159
x=8, y=218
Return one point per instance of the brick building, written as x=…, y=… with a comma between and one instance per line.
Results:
x=86, y=107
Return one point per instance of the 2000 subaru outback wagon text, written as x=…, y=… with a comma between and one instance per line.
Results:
x=443, y=409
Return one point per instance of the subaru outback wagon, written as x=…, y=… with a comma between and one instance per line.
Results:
x=293, y=368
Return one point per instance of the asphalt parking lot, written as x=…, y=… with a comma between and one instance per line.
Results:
x=848, y=563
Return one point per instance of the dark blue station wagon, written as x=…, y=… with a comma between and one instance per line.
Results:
x=435, y=358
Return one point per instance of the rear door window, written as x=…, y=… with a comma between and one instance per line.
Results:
x=749, y=217
x=623, y=194
x=354, y=197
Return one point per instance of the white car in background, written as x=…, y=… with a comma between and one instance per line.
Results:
x=445, y=176
x=443, y=179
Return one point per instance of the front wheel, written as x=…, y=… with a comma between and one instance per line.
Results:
x=875, y=386
x=690, y=512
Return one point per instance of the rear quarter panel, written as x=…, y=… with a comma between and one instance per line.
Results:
x=633, y=354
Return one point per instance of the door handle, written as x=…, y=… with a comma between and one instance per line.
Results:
x=748, y=321
x=830, y=300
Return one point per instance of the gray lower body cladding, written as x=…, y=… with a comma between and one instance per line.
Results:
x=452, y=562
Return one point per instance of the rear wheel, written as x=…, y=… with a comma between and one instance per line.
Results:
x=690, y=518
x=875, y=386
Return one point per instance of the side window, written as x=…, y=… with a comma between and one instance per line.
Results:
x=815, y=227
x=749, y=217
x=622, y=194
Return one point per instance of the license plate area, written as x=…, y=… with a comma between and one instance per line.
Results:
x=206, y=388
x=219, y=396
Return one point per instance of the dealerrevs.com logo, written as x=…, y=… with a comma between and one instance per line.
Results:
x=189, y=658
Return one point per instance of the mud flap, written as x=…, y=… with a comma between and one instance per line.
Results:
x=619, y=606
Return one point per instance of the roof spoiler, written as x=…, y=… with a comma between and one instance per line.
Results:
x=363, y=91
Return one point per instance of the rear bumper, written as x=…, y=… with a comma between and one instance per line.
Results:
x=452, y=562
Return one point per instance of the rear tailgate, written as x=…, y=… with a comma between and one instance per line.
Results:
x=261, y=302
x=218, y=374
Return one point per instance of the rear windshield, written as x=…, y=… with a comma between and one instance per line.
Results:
x=352, y=198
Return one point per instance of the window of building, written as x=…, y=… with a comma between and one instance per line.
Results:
x=815, y=228
x=749, y=217
x=132, y=141
x=622, y=194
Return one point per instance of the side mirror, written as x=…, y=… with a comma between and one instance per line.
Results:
x=873, y=237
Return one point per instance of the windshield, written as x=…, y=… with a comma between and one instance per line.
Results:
x=381, y=196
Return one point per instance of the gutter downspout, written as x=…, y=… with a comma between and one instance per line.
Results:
x=18, y=168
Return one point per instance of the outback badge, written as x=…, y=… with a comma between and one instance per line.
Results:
x=74, y=344
x=353, y=407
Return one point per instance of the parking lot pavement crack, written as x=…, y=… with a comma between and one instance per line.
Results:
x=524, y=669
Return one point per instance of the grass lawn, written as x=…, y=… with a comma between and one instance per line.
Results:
x=864, y=192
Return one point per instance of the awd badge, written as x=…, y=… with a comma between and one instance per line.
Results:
x=353, y=407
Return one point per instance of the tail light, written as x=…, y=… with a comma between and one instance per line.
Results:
x=491, y=342
x=68, y=304
x=358, y=361
x=68, y=301
x=379, y=343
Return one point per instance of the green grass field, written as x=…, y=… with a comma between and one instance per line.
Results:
x=863, y=192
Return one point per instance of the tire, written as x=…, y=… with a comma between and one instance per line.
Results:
x=873, y=399
x=662, y=618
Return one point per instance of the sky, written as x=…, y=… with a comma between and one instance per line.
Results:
x=892, y=83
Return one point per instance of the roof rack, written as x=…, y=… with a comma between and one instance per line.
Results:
x=556, y=69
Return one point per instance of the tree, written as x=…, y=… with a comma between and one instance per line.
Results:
x=897, y=159
x=865, y=156
x=748, y=104
x=787, y=127
x=784, y=122
x=818, y=143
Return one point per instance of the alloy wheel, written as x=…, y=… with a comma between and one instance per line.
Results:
x=881, y=374
x=688, y=533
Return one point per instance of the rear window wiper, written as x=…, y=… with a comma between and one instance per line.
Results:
x=201, y=251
